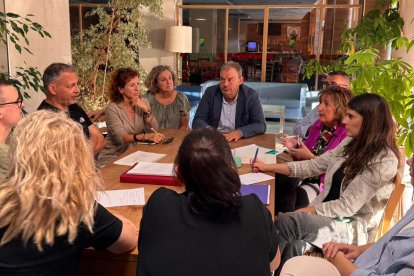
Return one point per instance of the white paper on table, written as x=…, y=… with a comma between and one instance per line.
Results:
x=139, y=156
x=247, y=153
x=250, y=178
x=151, y=168
x=127, y=197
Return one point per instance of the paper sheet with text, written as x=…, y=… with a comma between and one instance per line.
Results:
x=250, y=178
x=114, y=198
x=139, y=156
x=247, y=153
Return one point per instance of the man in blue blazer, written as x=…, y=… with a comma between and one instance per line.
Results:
x=231, y=107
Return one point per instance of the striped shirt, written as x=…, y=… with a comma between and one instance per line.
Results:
x=392, y=254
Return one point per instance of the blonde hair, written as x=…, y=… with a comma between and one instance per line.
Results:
x=51, y=183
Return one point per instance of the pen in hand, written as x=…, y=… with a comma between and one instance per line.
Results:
x=254, y=160
x=156, y=132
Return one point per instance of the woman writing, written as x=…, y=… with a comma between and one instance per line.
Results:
x=358, y=180
x=48, y=212
x=325, y=134
x=129, y=117
x=209, y=229
x=170, y=108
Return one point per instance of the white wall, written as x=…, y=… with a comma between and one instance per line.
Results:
x=54, y=17
x=157, y=55
x=407, y=13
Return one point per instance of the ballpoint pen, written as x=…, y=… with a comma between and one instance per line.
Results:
x=154, y=130
x=254, y=159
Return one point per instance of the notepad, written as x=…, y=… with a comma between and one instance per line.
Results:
x=262, y=191
x=139, y=156
x=127, y=197
x=249, y=178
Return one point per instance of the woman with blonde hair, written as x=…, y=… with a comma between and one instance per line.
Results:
x=48, y=212
x=170, y=108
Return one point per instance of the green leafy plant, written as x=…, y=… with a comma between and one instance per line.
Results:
x=16, y=28
x=111, y=43
x=393, y=79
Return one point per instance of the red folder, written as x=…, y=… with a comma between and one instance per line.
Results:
x=148, y=179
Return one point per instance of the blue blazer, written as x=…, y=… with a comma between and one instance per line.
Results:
x=249, y=113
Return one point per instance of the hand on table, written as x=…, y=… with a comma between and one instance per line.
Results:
x=155, y=137
x=234, y=135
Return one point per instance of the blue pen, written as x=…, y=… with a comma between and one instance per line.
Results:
x=254, y=159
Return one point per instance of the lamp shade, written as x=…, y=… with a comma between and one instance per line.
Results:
x=178, y=39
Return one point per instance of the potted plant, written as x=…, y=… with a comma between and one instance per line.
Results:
x=17, y=28
x=371, y=72
x=111, y=43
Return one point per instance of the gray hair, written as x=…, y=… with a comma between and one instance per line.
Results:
x=53, y=71
x=232, y=64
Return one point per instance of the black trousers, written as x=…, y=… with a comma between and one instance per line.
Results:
x=293, y=193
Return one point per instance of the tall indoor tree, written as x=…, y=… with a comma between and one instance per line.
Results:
x=111, y=43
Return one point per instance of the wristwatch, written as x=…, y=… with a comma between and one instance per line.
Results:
x=147, y=114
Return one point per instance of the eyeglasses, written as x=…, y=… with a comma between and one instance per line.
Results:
x=18, y=102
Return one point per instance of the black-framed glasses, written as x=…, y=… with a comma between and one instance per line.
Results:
x=19, y=103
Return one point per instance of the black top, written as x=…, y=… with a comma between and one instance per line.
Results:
x=335, y=190
x=173, y=240
x=76, y=113
x=62, y=258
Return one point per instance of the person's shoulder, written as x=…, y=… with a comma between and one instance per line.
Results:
x=251, y=201
x=45, y=105
x=212, y=89
x=76, y=107
x=162, y=194
x=246, y=89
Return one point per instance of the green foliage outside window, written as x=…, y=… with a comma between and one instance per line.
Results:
x=371, y=72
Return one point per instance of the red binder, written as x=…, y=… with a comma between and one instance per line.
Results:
x=148, y=179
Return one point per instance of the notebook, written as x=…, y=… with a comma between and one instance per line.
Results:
x=262, y=191
x=136, y=176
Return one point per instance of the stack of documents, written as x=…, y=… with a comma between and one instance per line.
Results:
x=151, y=173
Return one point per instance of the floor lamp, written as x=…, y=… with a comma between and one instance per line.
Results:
x=178, y=40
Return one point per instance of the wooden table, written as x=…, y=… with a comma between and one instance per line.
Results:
x=105, y=263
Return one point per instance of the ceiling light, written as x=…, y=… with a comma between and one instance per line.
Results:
x=201, y=19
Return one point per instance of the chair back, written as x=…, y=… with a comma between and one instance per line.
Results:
x=394, y=203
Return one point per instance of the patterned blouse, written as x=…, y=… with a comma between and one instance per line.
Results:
x=169, y=116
